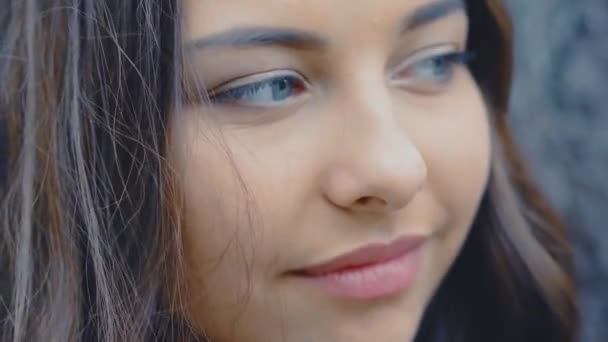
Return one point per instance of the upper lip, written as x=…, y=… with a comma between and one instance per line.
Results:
x=365, y=256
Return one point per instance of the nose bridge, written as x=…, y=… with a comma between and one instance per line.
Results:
x=378, y=133
x=379, y=158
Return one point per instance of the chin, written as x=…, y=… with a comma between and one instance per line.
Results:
x=391, y=330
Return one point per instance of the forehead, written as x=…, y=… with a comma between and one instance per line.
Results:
x=335, y=16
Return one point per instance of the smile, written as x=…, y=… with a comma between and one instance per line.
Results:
x=369, y=272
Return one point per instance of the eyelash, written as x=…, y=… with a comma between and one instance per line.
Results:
x=233, y=95
x=447, y=60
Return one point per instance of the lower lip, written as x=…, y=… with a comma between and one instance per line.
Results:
x=372, y=281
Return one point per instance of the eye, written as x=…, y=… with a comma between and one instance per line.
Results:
x=262, y=90
x=430, y=71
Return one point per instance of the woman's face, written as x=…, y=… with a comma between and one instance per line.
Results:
x=332, y=127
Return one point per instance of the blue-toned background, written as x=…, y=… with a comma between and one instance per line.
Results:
x=560, y=116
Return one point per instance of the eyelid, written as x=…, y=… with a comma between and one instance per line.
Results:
x=424, y=53
x=255, y=78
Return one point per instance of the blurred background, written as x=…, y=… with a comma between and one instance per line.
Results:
x=560, y=118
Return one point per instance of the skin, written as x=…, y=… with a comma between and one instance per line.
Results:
x=359, y=156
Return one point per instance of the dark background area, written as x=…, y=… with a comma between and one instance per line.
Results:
x=560, y=118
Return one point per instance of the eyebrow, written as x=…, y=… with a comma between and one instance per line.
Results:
x=296, y=39
x=430, y=13
x=259, y=36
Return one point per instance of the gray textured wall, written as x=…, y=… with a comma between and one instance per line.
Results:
x=560, y=116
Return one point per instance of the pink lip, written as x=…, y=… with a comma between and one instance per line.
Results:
x=371, y=271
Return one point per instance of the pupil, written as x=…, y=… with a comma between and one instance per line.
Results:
x=439, y=65
x=280, y=89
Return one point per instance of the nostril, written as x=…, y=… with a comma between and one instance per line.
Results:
x=371, y=200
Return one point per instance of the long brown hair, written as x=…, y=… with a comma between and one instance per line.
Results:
x=89, y=242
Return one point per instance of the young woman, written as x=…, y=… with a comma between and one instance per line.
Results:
x=269, y=170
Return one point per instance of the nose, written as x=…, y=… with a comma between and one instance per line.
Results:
x=377, y=167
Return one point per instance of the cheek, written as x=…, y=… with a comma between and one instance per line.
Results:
x=459, y=164
x=216, y=231
x=216, y=225
x=457, y=149
x=453, y=136
x=455, y=143
x=229, y=251
x=461, y=172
